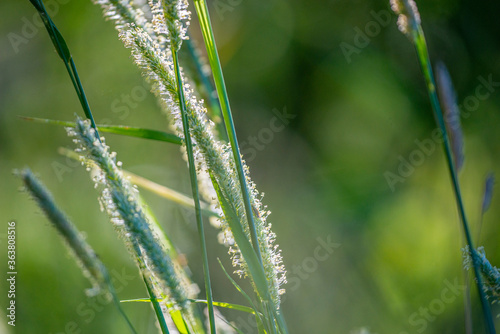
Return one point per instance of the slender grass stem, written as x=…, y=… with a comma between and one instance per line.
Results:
x=194, y=188
x=156, y=306
x=213, y=56
x=424, y=59
x=63, y=51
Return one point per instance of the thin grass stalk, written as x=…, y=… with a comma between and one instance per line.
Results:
x=194, y=189
x=425, y=64
x=63, y=51
x=156, y=306
x=213, y=56
x=123, y=130
x=409, y=23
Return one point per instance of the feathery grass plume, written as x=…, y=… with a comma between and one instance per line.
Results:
x=64, y=53
x=491, y=274
x=451, y=115
x=122, y=13
x=92, y=267
x=171, y=19
x=408, y=15
x=210, y=154
x=155, y=60
x=119, y=199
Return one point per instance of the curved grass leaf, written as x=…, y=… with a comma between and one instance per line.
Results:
x=117, y=129
x=227, y=305
x=63, y=52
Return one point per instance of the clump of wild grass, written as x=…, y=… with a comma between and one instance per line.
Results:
x=155, y=33
x=409, y=23
x=214, y=159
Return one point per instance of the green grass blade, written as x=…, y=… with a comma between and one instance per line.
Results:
x=213, y=56
x=195, y=190
x=179, y=322
x=230, y=306
x=416, y=34
x=63, y=52
x=156, y=306
x=117, y=129
x=240, y=290
x=227, y=305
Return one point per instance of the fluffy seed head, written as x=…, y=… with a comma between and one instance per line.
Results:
x=91, y=266
x=119, y=199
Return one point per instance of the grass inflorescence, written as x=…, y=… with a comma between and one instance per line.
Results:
x=217, y=173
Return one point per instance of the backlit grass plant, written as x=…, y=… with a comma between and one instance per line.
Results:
x=222, y=189
x=447, y=117
x=222, y=192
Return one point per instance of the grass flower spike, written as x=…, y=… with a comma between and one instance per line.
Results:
x=92, y=267
x=119, y=199
x=210, y=155
x=408, y=15
x=171, y=19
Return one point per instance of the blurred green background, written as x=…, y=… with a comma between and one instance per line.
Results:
x=351, y=84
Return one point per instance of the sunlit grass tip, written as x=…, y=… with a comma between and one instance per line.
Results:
x=408, y=15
